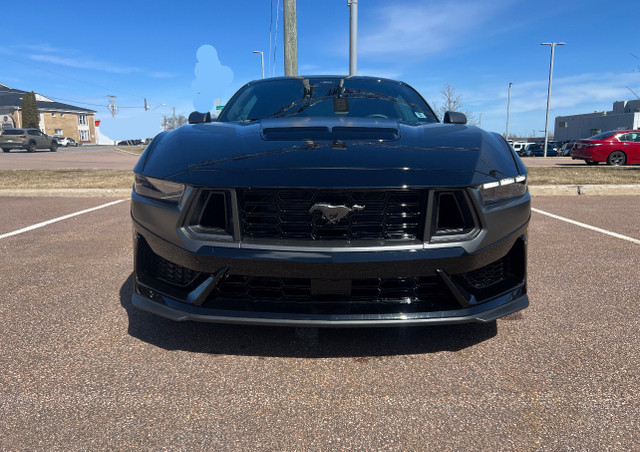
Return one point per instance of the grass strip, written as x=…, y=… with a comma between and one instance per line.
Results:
x=65, y=178
x=584, y=175
x=77, y=178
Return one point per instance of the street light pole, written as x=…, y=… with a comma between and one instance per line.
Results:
x=546, y=124
x=506, y=134
x=353, y=36
x=261, y=60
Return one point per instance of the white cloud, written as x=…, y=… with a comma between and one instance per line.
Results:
x=84, y=64
x=572, y=95
x=95, y=65
x=419, y=30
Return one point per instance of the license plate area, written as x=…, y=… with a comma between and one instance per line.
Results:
x=330, y=287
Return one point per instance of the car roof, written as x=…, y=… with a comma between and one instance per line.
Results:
x=325, y=77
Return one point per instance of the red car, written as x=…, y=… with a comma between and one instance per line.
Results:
x=617, y=148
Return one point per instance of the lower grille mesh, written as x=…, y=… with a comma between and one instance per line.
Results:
x=364, y=290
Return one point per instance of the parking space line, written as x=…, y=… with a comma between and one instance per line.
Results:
x=55, y=220
x=588, y=226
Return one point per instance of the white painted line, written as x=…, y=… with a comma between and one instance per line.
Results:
x=55, y=220
x=588, y=226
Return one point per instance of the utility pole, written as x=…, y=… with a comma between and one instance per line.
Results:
x=112, y=105
x=506, y=134
x=353, y=36
x=546, y=123
x=290, y=39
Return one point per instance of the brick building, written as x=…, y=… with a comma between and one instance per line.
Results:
x=55, y=118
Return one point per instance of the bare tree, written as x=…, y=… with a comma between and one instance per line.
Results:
x=452, y=101
x=173, y=122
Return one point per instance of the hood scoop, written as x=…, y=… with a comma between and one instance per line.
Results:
x=341, y=133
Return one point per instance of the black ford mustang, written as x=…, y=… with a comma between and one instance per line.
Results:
x=330, y=201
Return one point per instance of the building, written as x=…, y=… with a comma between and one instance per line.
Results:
x=625, y=115
x=55, y=118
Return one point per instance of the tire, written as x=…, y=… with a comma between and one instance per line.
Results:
x=31, y=147
x=591, y=162
x=6, y=149
x=617, y=158
x=54, y=147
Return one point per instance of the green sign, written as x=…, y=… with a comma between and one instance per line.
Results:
x=219, y=107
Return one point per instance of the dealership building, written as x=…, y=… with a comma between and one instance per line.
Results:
x=624, y=116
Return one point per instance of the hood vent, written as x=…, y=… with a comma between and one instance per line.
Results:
x=325, y=133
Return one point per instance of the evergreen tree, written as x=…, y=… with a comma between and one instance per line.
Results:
x=30, y=114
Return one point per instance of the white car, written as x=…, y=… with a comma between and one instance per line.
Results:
x=62, y=141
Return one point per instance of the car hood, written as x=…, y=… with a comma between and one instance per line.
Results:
x=329, y=152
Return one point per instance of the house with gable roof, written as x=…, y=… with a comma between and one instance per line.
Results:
x=56, y=118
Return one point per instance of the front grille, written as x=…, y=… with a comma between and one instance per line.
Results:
x=289, y=214
x=424, y=290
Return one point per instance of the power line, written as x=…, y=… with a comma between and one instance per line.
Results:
x=275, y=39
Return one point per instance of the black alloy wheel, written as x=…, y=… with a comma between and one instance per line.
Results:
x=32, y=147
x=54, y=147
x=5, y=149
x=617, y=158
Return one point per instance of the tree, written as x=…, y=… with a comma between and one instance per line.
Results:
x=173, y=122
x=451, y=101
x=30, y=114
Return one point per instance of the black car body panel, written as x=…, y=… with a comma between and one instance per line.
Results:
x=331, y=220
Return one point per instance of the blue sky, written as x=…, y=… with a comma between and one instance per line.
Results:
x=79, y=53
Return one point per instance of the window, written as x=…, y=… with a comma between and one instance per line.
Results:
x=82, y=120
x=84, y=135
x=59, y=132
x=53, y=115
x=629, y=137
x=563, y=124
x=62, y=115
x=595, y=132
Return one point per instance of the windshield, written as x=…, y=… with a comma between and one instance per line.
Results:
x=13, y=132
x=331, y=96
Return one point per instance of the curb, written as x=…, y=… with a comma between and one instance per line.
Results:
x=580, y=190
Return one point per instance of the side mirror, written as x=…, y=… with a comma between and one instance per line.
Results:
x=454, y=117
x=195, y=117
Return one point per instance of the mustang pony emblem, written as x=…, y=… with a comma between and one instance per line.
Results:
x=334, y=214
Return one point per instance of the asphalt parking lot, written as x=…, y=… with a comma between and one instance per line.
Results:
x=82, y=369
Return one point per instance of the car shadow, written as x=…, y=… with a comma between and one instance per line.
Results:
x=265, y=341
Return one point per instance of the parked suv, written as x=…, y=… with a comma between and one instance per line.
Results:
x=29, y=139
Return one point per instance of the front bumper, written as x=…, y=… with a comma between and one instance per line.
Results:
x=445, y=268
x=173, y=310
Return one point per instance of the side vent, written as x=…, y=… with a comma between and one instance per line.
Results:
x=452, y=218
x=212, y=214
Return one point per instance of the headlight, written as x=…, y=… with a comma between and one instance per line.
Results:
x=158, y=189
x=511, y=187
